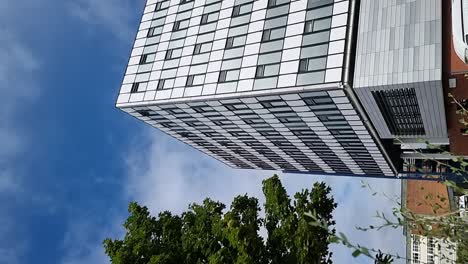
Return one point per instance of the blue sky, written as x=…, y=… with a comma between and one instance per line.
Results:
x=70, y=161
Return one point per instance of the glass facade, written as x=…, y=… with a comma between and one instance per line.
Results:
x=254, y=84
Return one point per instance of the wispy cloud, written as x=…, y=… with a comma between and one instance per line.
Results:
x=18, y=69
x=164, y=174
x=114, y=16
x=168, y=175
x=83, y=240
x=18, y=65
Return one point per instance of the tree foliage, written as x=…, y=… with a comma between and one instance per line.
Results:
x=208, y=233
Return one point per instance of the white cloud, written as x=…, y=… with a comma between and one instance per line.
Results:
x=18, y=68
x=83, y=240
x=8, y=183
x=11, y=249
x=114, y=16
x=168, y=175
x=164, y=174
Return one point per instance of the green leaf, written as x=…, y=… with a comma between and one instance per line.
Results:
x=365, y=251
x=356, y=253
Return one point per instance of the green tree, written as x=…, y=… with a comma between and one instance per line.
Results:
x=208, y=233
x=291, y=239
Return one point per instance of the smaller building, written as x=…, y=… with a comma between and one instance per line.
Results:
x=426, y=198
x=463, y=206
x=431, y=250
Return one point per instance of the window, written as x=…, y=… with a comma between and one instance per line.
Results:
x=197, y=49
x=198, y=124
x=234, y=107
x=185, y=1
x=197, y=79
x=236, y=11
x=222, y=76
x=228, y=75
x=312, y=64
x=208, y=18
x=416, y=243
x=221, y=122
x=400, y=110
x=204, y=19
x=173, y=53
x=159, y=5
x=267, y=70
x=202, y=48
x=202, y=109
x=416, y=259
x=318, y=3
x=135, y=87
x=168, y=54
x=303, y=65
x=270, y=133
x=317, y=25
x=236, y=41
x=430, y=259
x=144, y=113
x=238, y=133
x=430, y=245
x=290, y=119
x=240, y=10
x=309, y=26
x=273, y=34
x=274, y=104
x=151, y=32
x=229, y=42
x=175, y=111
x=168, y=125
x=182, y=24
x=323, y=100
x=160, y=84
x=273, y=3
x=189, y=80
x=252, y=121
x=143, y=59
x=176, y=26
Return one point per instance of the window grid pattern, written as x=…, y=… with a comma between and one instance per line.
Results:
x=191, y=58
x=416, y=249
x=231, y=63
x=292, y=132
x=431, y=250
x=400, y=110
x=157, y=36
x=271, y=47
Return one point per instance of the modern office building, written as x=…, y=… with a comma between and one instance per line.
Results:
x=319, y=86
x=398, y=69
